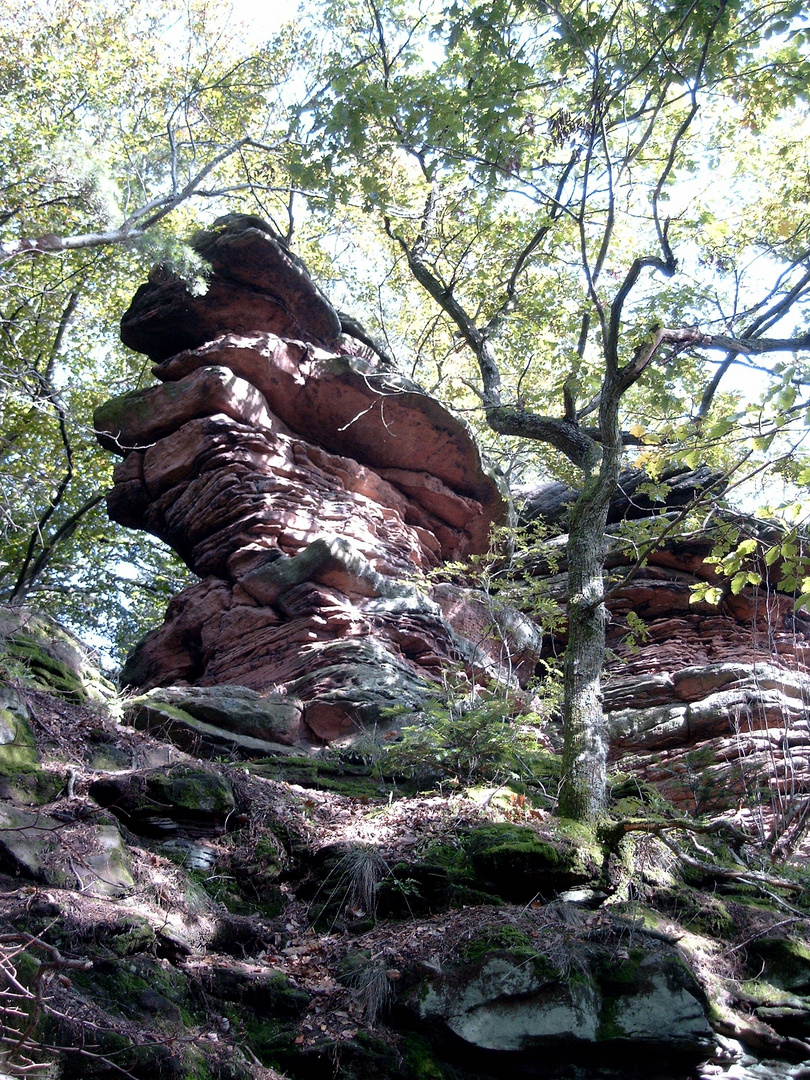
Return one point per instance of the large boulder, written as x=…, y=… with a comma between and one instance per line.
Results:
x=48, y=656
x=86, y=855
x=645, y=1000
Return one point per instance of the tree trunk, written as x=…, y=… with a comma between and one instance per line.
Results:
x=584, y=765
x=582, y=794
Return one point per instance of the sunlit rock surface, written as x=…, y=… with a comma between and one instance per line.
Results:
x=710, y=703
x=514, y=1003
x=311, y=490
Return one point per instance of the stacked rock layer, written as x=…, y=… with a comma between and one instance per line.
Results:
x=708, y=702
x=312, y=489
x=309, y=487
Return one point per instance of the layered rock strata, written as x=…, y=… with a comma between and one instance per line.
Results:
x=709, y=702
x=310, y=489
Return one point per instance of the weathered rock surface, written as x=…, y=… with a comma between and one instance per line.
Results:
x=222, y=717
x=88, y=856
x=256, y=284
x=192, y=918
x=309, y=488
x=51, y=655
x=636, y=495
x=154, y=801
x=710, y=703
x=517, y=1003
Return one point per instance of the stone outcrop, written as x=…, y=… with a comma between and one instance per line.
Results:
x=522, y=1003
x=312, y=489
x=309, y=487
x=708, y=702
x=184, y=892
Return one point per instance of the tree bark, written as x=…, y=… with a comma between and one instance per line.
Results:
x=584, y=775
x=584, y=765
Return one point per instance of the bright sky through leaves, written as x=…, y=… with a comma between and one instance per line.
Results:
x=264, y=18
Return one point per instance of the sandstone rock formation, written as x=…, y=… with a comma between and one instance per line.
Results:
x=310, y=488
x=709, y=703
x=516, y=1003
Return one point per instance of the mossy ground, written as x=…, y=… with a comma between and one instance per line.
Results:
x=353, y=779
x=512, y=940
x=459, y=878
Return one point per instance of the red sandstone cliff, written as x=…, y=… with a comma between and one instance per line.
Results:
x=311, y=488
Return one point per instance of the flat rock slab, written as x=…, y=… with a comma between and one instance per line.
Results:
x=87, y=856
x=156, y=801
x=272, y=718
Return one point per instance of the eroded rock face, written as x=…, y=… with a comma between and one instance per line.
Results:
x=514, y=1003
x=710, y=703
x=309, y=488
x=257, y=284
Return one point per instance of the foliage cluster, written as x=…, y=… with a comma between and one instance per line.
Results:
x=471, y=742
x=112, y=115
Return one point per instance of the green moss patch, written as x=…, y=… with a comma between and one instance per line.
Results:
x=43, y=654
x=514, y=942
x=17, y=746
x=698, y=911
x=353, y=779
x=784, y=962
x=517, y=864
x=420, y=1061
x=193, y=789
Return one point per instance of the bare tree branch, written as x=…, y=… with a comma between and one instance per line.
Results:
x=134, y=226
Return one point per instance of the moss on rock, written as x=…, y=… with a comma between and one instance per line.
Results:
x=517, y=864
x=782, y=961
x=44, y=654
x=17, y=745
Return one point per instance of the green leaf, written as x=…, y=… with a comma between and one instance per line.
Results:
x=738, y=582
x=772, y=554
x=748, y=546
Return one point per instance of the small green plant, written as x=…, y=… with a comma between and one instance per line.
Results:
x=15, y=669
x=353, y=883
x=371, y=980
x=637, y=631
x=466, y=742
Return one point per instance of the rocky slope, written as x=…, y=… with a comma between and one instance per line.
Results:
x=166, y=915
x=318, y=835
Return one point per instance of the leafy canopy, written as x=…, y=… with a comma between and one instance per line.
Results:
x=114, y=114
x=530, y=153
